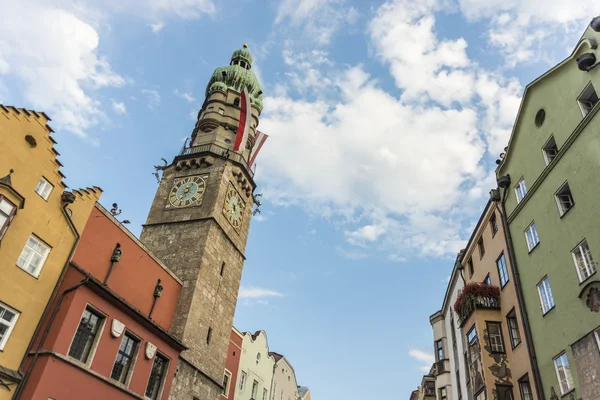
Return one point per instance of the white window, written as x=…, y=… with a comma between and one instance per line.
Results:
x=564, y=199
x=33, y=256
x=550, y=150
x=226, y=379
x=7, y=212
x=588, y=99
x=44, y=188
x=584, y=263
x=520, y=190
x=242, y=381
x=264, y=394
x=531, y=236
x=254, y=389
x=545, y=295
x=8, y=319
x=563, y=373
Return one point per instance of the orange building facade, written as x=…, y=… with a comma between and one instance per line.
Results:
x=107, y=333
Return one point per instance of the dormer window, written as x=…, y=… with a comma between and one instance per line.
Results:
x=242, y=64
x=588, y=99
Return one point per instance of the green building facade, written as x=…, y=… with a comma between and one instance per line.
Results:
x=550, y=176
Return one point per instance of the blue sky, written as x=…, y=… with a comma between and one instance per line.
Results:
x=385, y=118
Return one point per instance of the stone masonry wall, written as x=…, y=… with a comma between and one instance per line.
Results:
x=587, y=362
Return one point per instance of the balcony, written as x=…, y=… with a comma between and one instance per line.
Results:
x=439, y=367
x=476, y=295
x=217, y=150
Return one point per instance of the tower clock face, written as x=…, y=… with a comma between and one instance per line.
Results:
x=233, y=207
x=187, y=191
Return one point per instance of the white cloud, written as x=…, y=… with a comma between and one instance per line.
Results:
x=119, y=107
x=157, y=27
x=423, y=357
x=350, y=254
x=53, y=58
x=187, y=96
x=153, y=97
x=253, y=292
x=319, y=19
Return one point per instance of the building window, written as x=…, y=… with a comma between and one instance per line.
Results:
x=502, y=270
x=588, y=99
x=495, y=335
x=257, y=358
x=264, y=394
x=494, y=224
x=481, y=247
x=33, y=256
x=520, y=189
x=540, y=117
x=439, y=350
x=582, y=257
x=8, y=319
x=429, y=388
x=473, y=346
x=243, y=381
x=86, y=335
x=532, y=236
x=470, y=265
x=487, y=280
x=208, y=335
x=7, y=213
x=563, y=373
x=525, y=388
x=226, y=379
x=545, y=295
x=504, y=392
x=157, y=375
x=443, y=394
x=125, y=355
x=221, y=111
x=564, y=199
x=44, y=188
x=222, y=268
x=254, y=390
x=480, y=395
x=550, y=150
x=513, y=329
x=236, y=101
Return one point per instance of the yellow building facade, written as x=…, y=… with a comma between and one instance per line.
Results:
x=40, y=224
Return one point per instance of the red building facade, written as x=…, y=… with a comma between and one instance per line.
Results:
x=232, y=364
x=107, y=334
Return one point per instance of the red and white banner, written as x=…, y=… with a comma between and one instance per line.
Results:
x=245, y=119
x=260, y=139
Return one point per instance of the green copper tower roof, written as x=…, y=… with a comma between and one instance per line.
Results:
x=236, y=76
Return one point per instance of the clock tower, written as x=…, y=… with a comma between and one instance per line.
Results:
x=198, y=226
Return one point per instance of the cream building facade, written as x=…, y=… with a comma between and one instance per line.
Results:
x=256, y=368
x=284, y=385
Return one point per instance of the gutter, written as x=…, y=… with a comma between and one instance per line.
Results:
x=68, y=198
x=537, y=380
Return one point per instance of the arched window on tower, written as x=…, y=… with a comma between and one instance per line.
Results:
x=236, y=102
x=242, y=64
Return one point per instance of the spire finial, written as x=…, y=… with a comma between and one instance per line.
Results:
x=245, y=45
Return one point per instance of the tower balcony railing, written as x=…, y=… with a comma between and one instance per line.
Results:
x=476, y=295
x=219, y=151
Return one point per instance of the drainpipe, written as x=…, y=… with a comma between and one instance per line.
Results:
x=503, y=183
x=67, y=198
x=17, y=394
x=114, y=259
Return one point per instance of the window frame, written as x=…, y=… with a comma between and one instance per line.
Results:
x=584, y=110
x=10, y=326
x=242, y=384
x=9, y=217
x=44, y=257
x=254, y=391
x=536, y=236
x=520, y=189
x=561, y=210
x=524, y=381
x=487, y=280
x=512, y=316
x=470, y=343
x=102, y=317
x=439, y=345
x=590, y=261
x=471, y=267
x=499, y=325
x=494, y=224
x=570, y=382
x=42, y=192
x=443, y=396
x=547, y=147
x=133, y=357
x=165, y=372
x=504, y=272
x=551, y=297
x=507, y=388
x=481, y=247
x=226, y=373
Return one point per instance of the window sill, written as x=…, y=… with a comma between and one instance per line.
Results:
x=505, y=284
x=567, y=393
x=588, y=278
x=534, y=247
x=518, y=344
x=566, y=212
x=546, y=313
x=29, y=273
